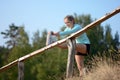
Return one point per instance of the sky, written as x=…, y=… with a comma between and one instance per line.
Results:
x=49, y=14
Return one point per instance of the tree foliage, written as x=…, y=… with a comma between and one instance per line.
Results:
x=11, y=34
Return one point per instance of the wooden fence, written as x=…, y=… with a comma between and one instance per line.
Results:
x=71, y=48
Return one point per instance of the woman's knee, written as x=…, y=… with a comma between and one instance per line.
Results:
x=81, y=48
x=63, y=46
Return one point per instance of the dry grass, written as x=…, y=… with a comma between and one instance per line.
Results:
x=104, y=71
x=102, y=67
x=74, y=78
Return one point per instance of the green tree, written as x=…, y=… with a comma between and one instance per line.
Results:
x=116, y=42
x=36, y=40
x=3, y=55
x=83, y=20
x=22, y=48
x=11, y=34
x=39, y=41
x=108, y=37
x=48, y=65
x=43, y=38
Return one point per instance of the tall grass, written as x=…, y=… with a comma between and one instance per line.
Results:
x=104, y=71
x=103, y=66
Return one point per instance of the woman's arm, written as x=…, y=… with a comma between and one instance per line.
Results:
x=70, y=31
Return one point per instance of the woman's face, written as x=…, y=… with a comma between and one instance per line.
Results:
x=68, y=23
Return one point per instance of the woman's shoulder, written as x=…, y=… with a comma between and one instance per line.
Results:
x=77, y=25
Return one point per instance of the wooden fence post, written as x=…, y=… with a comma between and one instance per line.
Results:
x=71, y=51
x=20, y=70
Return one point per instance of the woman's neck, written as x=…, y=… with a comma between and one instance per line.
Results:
x=72, y=26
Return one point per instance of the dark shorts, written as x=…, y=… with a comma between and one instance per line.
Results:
x=83, y=54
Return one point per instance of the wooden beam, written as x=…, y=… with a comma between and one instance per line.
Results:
x=8, y=65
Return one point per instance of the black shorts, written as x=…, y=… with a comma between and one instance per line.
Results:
x=83, y=54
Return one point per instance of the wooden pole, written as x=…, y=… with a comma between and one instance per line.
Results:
x=71, y=53
x=20, y=70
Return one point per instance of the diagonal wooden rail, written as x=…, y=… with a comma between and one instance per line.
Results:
x=93, y=24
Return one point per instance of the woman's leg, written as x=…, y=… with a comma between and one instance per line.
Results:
x=63, y=46
x=79, y=47
x=80, y=64
x=78, y=57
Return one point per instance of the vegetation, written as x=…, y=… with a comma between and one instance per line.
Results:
x=104, y=70
x=51, y=65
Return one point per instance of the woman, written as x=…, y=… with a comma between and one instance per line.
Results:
x=82, y=41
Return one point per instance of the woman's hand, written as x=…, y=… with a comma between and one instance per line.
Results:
x=56, y=33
